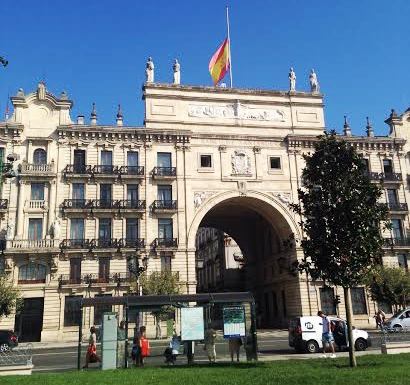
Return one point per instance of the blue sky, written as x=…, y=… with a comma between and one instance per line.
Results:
x=96, y=51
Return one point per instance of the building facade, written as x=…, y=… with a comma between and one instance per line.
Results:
x=90, y=199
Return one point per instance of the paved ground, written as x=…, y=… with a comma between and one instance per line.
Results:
x=272, y=345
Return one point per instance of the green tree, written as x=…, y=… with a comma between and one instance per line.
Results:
x=10, y=299
x=390, y=285
x=341, y=219
x=160, y=283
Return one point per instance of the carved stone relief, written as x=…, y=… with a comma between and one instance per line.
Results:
x=241, y=163
x=200, y=197
x=283, y=197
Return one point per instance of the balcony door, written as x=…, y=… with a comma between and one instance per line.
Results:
x=392, y=196
x=165, y=230
x=37, y=191
x=132, y=193
x=397, y=228
x=39, y=156
x=35, y=229
x=105, y=194
x=77, y=230
x=164, y=193
x=106, y=162
x=103, y=269
x=104, y=229
x=132, y=162
x=164, y=159
x=131, y=229
x=79, y=161
x=75, y=270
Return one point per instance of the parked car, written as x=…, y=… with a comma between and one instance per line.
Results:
x=305, y=334
x=8, y=340
x=399, y=321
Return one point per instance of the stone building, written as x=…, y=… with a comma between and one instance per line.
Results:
x=89, y=199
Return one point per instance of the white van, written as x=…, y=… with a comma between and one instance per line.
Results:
x=399, y=321
x=305, y=335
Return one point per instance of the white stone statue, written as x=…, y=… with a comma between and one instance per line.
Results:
x=149, y=71
x=292, y=79
x=10, y=231
x=41, y=91
x=314, y=84
x=177, y=72
x=55, y=229
x=199, y=197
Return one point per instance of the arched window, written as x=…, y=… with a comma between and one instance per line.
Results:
x=32, y=273
x=39, y=156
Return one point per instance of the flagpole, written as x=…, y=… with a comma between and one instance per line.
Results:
x=229, y=40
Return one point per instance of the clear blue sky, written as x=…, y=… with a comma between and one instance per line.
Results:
x=96, y=50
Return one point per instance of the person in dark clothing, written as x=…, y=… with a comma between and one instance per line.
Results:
x=339, y=334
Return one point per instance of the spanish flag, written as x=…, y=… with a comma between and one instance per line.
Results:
x=220, y=62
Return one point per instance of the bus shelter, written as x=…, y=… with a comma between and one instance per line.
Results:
x=231, y=302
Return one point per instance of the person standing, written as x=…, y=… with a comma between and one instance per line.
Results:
x=210, y=339
x=144, y=345
x=234, y=347
x=91, y=355
x=327, y=335
x=380, y=317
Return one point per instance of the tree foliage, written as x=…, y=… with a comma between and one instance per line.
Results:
x=389, y=285
x=341, y=214
x=10, y=299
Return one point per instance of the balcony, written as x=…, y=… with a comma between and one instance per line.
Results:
x=385, y=177
x=131, y=172
x=397, y=242
x=76, y=204
x=104, y=204
x=398, y=207
x=78, y=170
x=164, y=206
x=106, y=243
x=76, y=244
x=164, y=173
x=33, y=245
x=131, y=205
x=36, y=205
x=165, y=243
x=105, y=171
x=132, y=243
x=4, y=204
x=94, y=279
x=42, y=170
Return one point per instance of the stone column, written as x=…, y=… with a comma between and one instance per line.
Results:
x=20, y=210
x=224, y=162
x=258, y=163
x=51, y=204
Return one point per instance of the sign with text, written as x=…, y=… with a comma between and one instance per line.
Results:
x=234, y=321
x=192, y=323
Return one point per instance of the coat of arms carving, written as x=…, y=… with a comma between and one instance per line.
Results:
x=241, y=163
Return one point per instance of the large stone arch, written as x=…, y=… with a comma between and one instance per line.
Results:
x=269, y=206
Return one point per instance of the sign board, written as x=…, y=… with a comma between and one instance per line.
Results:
x=234, y=321
x=192, y=323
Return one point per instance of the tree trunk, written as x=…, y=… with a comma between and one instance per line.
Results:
x=349, y=317
x=158, y=331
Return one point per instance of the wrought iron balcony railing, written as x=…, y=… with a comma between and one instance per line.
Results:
x=76, y=244
x=132, y=243
x=79, y=169
x=403, y=242
x=164, y=205
x=132, y=170
x=4, y=204
x=398, y=206
x=131, y=204
x=106, y=243
x=166, y=242
x=105, y=170
x=164, y=172
x=388, y=176
x=104, y=204
x=76, y=203
x=90, y=279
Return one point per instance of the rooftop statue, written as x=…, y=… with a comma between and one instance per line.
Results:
x=292, y=79
x=177, y=72
x=149, y=71
x=314, y=84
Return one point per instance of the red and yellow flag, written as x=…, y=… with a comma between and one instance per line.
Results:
x=220, y=62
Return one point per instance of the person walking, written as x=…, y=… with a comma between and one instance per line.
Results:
x=136, y=351
x=327, y=335
x=235, y=344
x=172, y=351
x=145, y=349
x=91, y=355
x=380, y=317
x=210, y=338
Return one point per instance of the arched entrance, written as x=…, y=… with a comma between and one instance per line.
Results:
x=265, y=232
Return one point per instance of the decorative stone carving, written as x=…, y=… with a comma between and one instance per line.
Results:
x=41, y=91
x=200, y=197
x=54, y=264
x=314, y=84
x=241, y=163
x=238, y=111
x=55, y=229
x=8, y=265
x=149, y=71
x=257, y=150
x=222, y=148
x=292, y=79
x=242, y=187
x=177, y=72
x=10, y=231
x=283, y=197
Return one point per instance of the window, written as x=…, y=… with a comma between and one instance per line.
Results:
x=39, y=156
x=164, y=193
x=164, y=159
x=77, y=229
x=106, y=160
x=274, y=163
x=37, y=191
x=132, y=159
x=165, y=228
x=397, y=228
x=387, y=166
x=32, y=273
x=165, y=263
x=132, y=192
x=358, y=300
x=206, y=161
x=104, y=230
x=75, y=270
x=402, y=261
x=105, y=193
x=392, y=196
x=99, y=310
x=79, y=161
x=131, y=226
x=103, y=269
x=366, y=164
x=327, y=300
x=35, y=229
x=78, y=191
x=72, y=310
